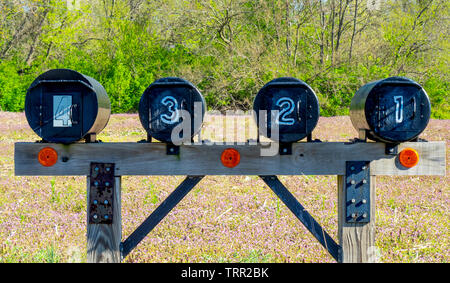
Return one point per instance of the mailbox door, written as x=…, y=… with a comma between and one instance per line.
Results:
x=61, y=115
x=164, y=107
x=399, y=112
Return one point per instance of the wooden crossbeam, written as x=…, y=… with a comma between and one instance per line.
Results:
x=147, y=159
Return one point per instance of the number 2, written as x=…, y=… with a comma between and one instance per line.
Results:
x=287, y=107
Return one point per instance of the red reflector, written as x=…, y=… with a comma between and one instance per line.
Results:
x=48, y=157
x=408, y=157
x=230, y=157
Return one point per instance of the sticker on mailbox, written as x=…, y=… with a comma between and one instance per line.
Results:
x=62, y=105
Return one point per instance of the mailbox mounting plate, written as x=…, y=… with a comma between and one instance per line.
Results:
x=101, y=193
x=357, y=192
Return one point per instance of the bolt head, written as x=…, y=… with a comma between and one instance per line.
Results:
x=352, y=182
x=364, y=201
x=106, y=216
x=95, y=216
x=106, y=201
x=95, y=201
x=353, y=200
x=364, y=215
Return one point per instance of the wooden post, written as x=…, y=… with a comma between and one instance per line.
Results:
x=103, y=240
x=357, y=240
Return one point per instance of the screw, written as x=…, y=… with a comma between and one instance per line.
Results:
x=95, y=201
x=106, y=216
x=96, y=183
x=352, y=182
x=108, y=169
x=364, y=181
x=107, y=184
x=106, y=201
x=353, y=215
x=95, y=216
x=171, y=149
x=364, y=215
x=352, y=168
x=96, y=169
x=353, y=200
x=364, y=201
x=285, y=150
x=364, y=167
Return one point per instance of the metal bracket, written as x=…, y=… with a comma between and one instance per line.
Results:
x=285, y=148
x=172, y=149
x=309, y=138
x=357, y=192
x=90, y=138
x=101, y=193
x=391, y=149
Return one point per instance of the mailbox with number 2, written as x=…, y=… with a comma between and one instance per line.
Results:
x=289, y=105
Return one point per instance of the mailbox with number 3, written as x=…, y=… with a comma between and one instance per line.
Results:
x=162, y=106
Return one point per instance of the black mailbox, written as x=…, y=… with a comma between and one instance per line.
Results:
x=391, y=110
x=64, y=106
x=297, y=106
x=161, y=104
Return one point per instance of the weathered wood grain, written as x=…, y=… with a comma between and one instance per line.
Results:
x=103, y=240
x=357, y=240
x=148, y=159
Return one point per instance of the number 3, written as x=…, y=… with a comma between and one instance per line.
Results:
x=172, y=108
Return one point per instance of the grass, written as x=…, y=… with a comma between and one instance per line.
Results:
x=224, y=219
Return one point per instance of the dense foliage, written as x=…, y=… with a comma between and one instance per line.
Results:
x=228, y=48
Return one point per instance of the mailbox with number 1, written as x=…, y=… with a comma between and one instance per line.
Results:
x=391, y=110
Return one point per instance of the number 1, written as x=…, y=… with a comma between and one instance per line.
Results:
x=398, y=109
